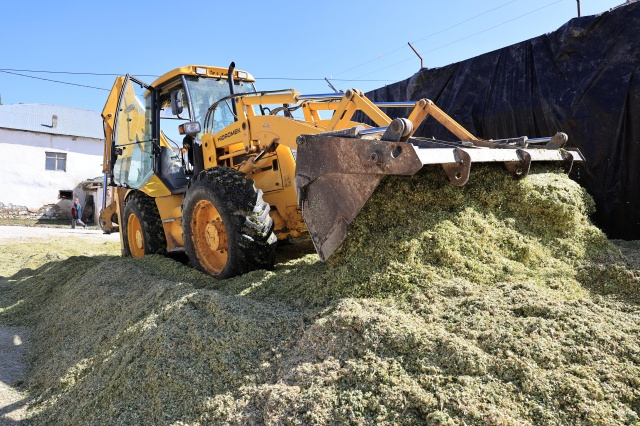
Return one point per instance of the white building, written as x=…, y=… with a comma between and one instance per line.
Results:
x=46, y=153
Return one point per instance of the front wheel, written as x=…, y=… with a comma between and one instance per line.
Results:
x=226, y=225
x=142, y=228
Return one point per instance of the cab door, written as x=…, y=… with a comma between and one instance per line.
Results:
x=134, y=136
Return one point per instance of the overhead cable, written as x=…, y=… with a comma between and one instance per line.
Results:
x=55, y=81
x=463, y=38
x=429, y=35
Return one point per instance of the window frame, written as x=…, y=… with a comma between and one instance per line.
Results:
x=57, y=157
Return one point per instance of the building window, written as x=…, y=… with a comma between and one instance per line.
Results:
x=56, y=161
x=65, y=195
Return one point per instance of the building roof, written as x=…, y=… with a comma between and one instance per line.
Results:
x=40, y=118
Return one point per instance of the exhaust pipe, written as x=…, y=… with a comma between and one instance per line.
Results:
x=232, y=67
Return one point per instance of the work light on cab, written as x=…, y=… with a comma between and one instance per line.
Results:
x=192, y=128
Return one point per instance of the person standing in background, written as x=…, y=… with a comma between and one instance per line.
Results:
x=76, y=215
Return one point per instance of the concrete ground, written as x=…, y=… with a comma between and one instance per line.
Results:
x=26, y=232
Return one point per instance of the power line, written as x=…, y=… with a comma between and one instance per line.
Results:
x=430, y=35
x=75, y=73
x=313, y=79
x=13, y=71
x=55, y=81
x=464, y=38
x=467, y=20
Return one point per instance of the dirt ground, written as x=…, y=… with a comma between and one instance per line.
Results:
x=14, y=341
x=13, y=347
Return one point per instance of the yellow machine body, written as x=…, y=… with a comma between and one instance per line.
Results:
x=255, y=133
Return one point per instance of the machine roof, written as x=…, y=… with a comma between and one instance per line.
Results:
x=211, y=71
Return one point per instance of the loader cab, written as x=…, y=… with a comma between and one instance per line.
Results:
x=188, y=100
x=148, y=150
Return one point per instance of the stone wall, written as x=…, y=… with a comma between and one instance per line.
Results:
x=49, y=211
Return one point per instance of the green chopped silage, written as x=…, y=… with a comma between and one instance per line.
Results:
x=494, y=303
x=417, y=232
x=492, y=229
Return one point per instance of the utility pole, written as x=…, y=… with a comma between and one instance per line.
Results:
x=578, y=8
x=416, y=52
x=331, y=85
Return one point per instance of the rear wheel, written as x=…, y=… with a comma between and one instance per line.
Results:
x=142, y=227
x=108, y=226
x=226, y=225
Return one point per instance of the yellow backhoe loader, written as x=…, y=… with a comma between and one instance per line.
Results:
x=202, y=162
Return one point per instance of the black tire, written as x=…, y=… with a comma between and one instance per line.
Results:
x=148, y=234
x=243, y=230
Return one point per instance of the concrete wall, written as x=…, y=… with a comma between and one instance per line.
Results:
x=28, y=189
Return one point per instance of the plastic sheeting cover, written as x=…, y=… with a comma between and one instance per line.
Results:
x=583, y=79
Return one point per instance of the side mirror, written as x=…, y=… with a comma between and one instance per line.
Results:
x=191, y=128
x=176, y=102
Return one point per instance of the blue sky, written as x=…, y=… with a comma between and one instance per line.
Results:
x=284, y=44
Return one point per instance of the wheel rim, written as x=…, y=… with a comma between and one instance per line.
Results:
x=209, y=237
x=135, y=237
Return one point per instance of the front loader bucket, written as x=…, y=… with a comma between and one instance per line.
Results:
x=335, y=176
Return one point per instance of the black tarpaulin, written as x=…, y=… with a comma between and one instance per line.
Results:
x=583, y=79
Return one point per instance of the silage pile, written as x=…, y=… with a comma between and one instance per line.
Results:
x=494, y=303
